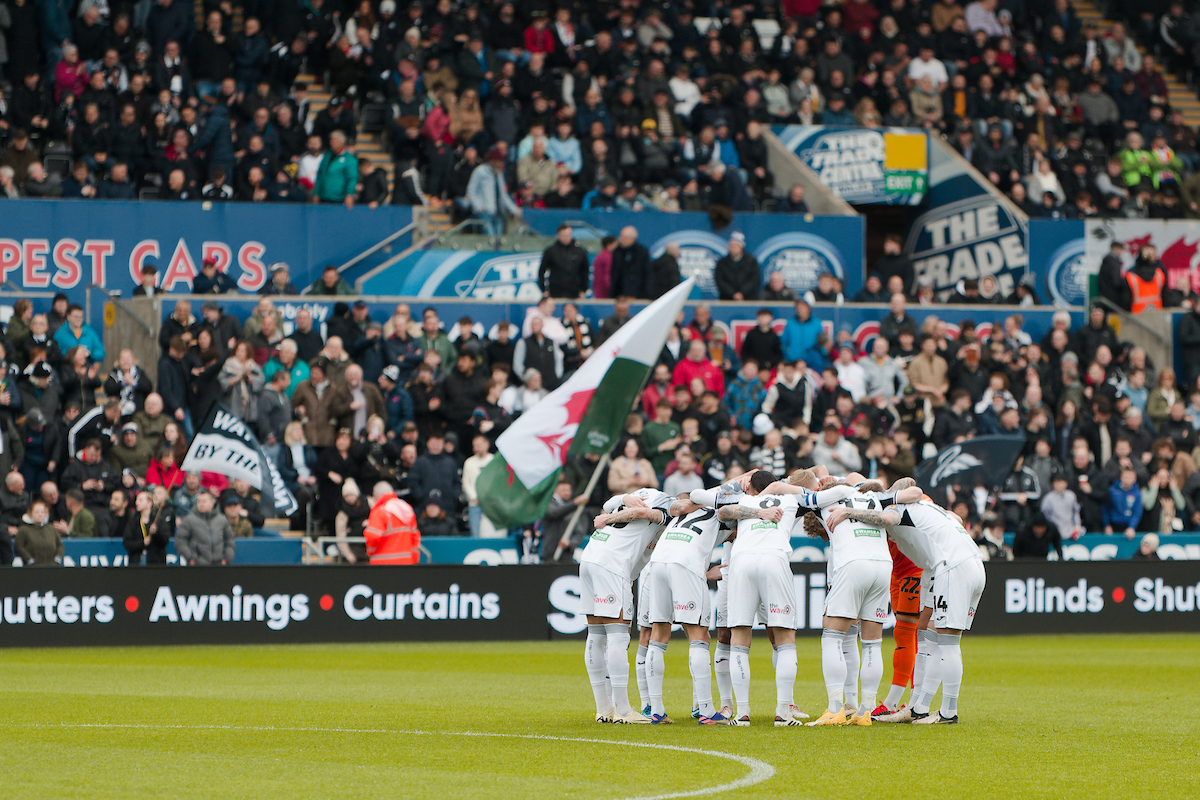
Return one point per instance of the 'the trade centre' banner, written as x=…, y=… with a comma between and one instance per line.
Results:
x=278, y=605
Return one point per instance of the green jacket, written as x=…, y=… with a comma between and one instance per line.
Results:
x=336, y=177
x=1136, y=164
x=38, y=545
x=443, y=346
x=83, y=525
x=653, y=435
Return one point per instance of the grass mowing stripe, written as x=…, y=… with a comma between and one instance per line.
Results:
x=759, y=770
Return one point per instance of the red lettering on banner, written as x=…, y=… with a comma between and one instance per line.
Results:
x=34, y=273
x=66, y=262
x=254, y=272
x=99, y=250
x=181, y=269
x=10, y=257
x=219, y=252
x=147, y=248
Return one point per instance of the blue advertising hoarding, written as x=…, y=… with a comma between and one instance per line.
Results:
x=964, y=231
x=799, y=246
x=64, y=245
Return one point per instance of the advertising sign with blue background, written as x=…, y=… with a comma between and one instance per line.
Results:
x=799, y=246
x=64, y=245
x=864, y=165
x=964, y=231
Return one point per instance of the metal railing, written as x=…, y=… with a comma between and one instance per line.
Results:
x=370, y=251
x=317, y=547
x=1126, y=316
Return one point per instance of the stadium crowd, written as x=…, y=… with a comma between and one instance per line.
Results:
x=417, y=402
x=501, y=106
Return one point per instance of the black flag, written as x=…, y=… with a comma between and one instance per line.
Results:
x=224, y=444
x=986, y=460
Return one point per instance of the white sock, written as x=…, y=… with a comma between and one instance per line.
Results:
x=774, y=656
x=892, y=701
x=850, y=655
x=950, y=646
x=618, y=665
x=701, y=669
x=785, y=678
x=919, y=664
x=739, y=674
x=872, y=674
x=595, y=658
x=639, y=668
x=933, y=676
x=721, y=661
x=656, y=657
x=833, y=666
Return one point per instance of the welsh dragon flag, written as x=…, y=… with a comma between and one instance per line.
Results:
x=584, y=415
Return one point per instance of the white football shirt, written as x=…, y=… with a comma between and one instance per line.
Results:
x=929, y=534
x=623, y=548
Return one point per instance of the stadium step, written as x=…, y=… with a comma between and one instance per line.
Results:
x=368, y=146
x=1179, y=94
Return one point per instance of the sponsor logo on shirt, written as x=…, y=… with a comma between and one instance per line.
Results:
x=678, y=536
x=873, y=533
x=764, y=524
x=599, y=536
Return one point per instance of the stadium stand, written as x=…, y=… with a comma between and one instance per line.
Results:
x=612, y=104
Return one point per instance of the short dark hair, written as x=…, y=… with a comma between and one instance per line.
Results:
x=75, y=495
x=762, y=479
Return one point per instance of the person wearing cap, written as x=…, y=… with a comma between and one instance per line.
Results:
x=204, y=537
x=280, y=283
x=396, y=400
x=211, y=280
x=225, y=328
x=603, y=197
x=487, y=194
x=737, y=274
x=42, y=446
x=231, y=507
x=131, y=452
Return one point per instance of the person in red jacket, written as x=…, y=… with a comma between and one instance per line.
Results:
x=391, y=532
x=697, y=365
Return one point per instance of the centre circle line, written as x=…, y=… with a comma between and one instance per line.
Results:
x=759, y=770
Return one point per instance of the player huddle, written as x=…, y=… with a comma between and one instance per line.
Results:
x=892, y=544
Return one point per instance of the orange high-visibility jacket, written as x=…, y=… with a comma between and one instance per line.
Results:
x=391, y=532
x=1145, y=294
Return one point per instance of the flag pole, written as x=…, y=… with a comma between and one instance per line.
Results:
x=591, y=486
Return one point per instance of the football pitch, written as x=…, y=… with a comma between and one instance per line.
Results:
x=1042, y=717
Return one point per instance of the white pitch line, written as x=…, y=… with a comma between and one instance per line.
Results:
x=759, y=770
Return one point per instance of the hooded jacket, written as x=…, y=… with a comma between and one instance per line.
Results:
x=205, y=538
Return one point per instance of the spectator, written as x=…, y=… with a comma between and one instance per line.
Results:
x=631, y=272
x=737, y=274
x=488, y=197
x=204, y=537
x=38, y=543
x=1124, y=507
x=76, y=334
x=629, y=471
x=836, y=453
x=1035, y=540
x=685, y=478
x=564, y=269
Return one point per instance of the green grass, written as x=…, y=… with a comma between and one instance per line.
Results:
x=1043, y=717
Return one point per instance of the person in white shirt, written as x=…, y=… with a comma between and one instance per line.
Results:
x=851, y=375
x=480, y=525
x=951, y=588
x=678, y=593
x=839, y=456
x=760, y=575
x=619, y=547
x=860, y=565
x=926, y=64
